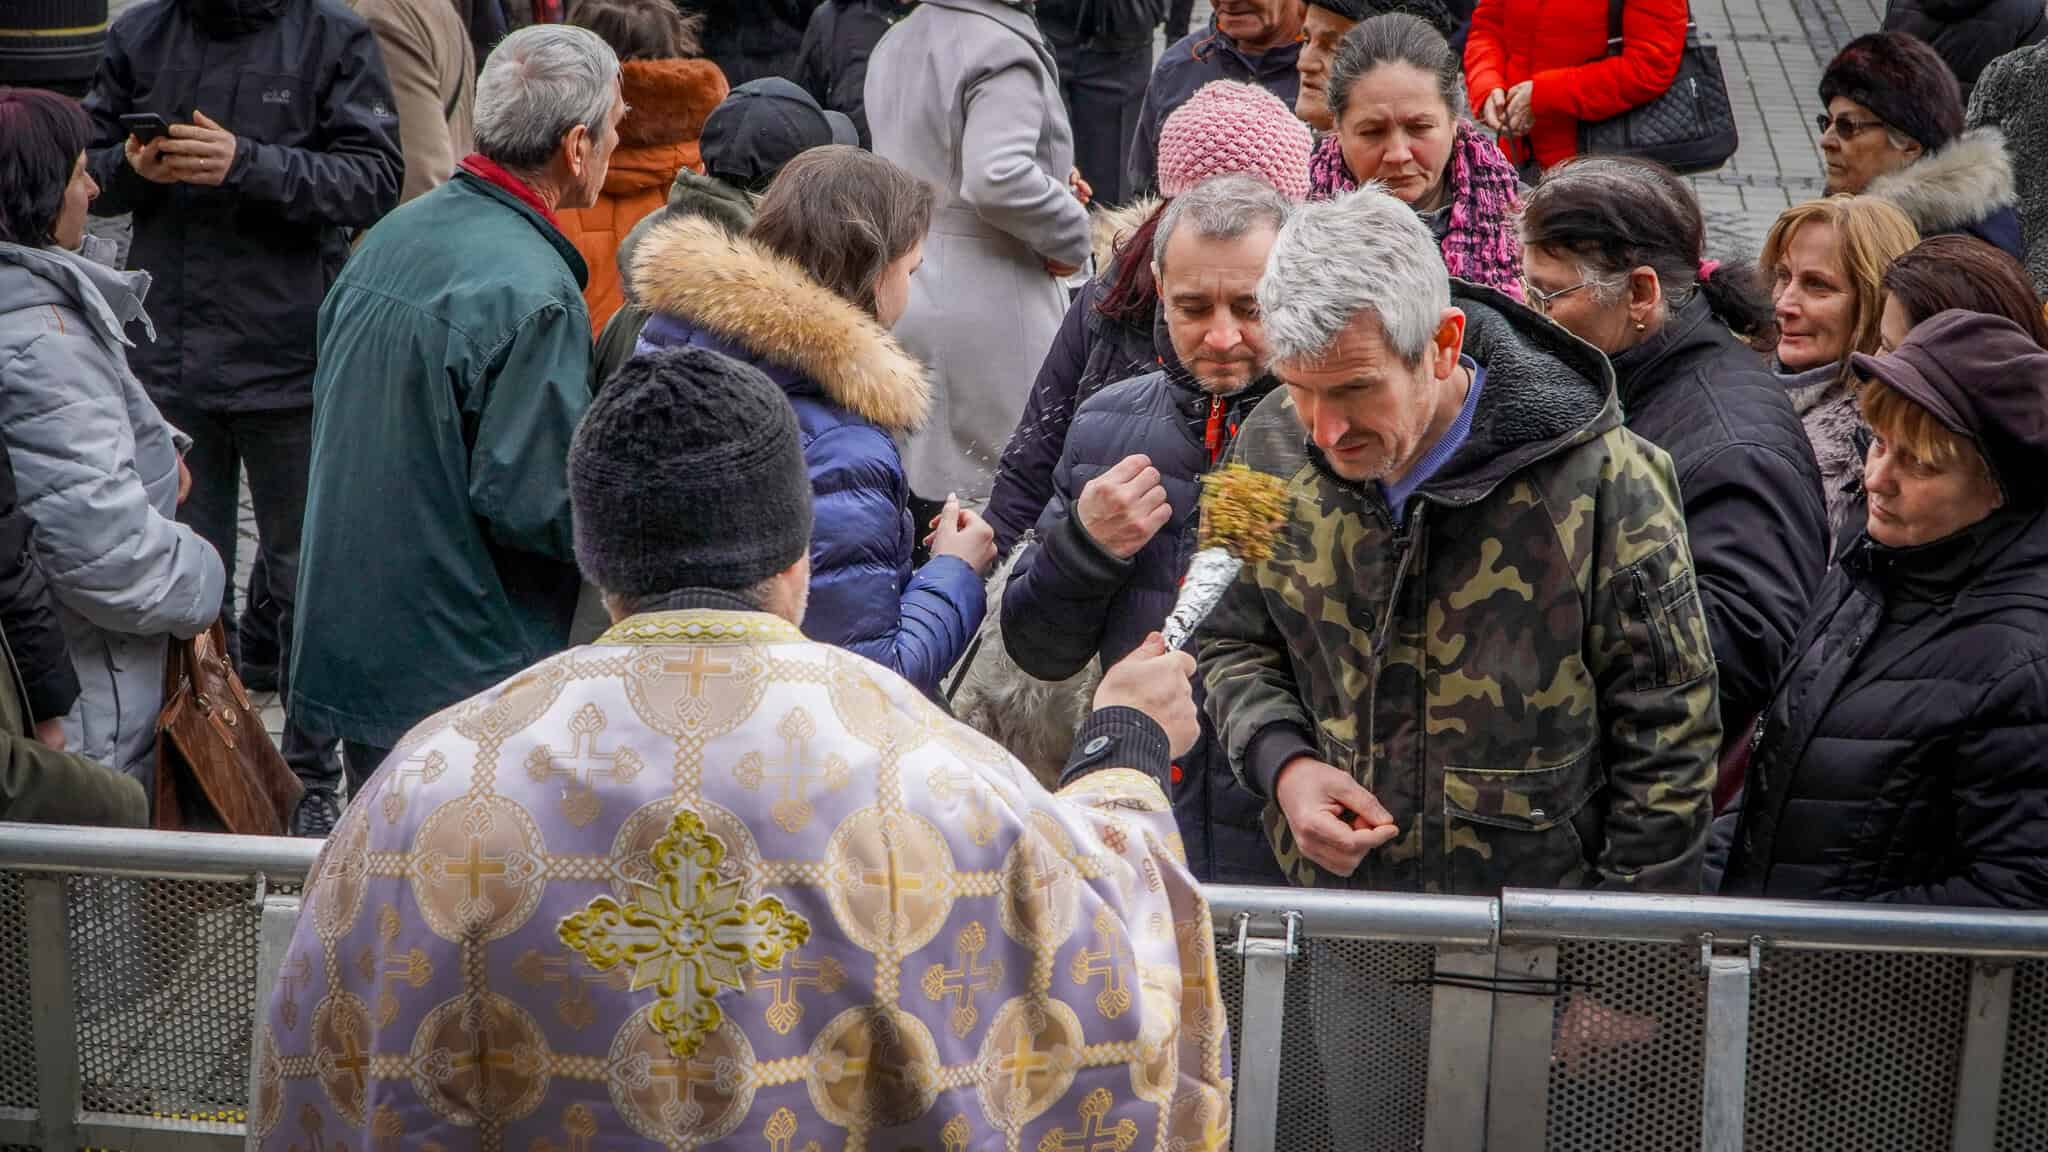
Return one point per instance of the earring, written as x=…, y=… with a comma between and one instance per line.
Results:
x=1641, y=327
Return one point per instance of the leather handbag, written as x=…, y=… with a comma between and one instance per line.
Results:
x=217, y=770
x=1690, y=128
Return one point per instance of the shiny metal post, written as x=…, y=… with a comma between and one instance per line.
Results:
x=1263, y=1022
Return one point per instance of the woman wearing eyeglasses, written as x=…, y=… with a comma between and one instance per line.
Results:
x=1894, y=129
x=1825, y=261
x=1611, y=250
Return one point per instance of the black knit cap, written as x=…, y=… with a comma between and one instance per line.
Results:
x=688, y=472
x=1903, y=82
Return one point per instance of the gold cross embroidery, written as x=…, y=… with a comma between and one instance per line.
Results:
x=290, y=978
x=688, y=934
x=697, y=666
x=1115, y=998
x=1093, y=1137
x=478, y=867
x=353, y=1063
x=792, y=807
x=892, y=877
x=425, y=768
x=967, y=794
x=966, y=981
x=582, y=765
x=785, y=1011
x=1023, y=1061
x=575, y=1006
x=578, y=1125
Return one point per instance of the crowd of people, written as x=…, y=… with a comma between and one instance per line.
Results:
x=722, y=473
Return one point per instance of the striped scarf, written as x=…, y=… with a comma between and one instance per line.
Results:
x=1482, y=245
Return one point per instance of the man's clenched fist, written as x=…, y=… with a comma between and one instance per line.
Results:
x=1335, y=820
x=1122, y=509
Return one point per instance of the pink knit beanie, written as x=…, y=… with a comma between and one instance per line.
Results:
x=1229, y=128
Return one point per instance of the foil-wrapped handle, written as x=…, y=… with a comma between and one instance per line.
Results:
x=1209, y=576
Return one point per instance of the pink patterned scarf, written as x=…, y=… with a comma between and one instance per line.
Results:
x=1482, y=245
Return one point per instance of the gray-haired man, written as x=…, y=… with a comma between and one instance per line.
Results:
x=454, y=366
x=1118, y=533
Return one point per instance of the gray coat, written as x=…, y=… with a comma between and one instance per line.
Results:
x=2008, y=97
x=964, y=94
x=98, y=473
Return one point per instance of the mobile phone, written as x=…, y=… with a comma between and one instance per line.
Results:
x=145, y=126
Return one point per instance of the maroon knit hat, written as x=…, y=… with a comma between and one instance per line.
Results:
x=1903, y=82
x=1229, y=129
x=1984, y=379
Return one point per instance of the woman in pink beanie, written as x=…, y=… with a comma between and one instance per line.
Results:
x=1112, y=330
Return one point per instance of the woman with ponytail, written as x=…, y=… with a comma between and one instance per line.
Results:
x=1612, y=251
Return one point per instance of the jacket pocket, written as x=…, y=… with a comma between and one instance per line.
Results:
x=1516, y=828
x=1664, y=621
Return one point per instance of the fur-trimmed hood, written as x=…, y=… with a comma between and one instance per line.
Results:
x=1955, y=188
x=667, y=100
x=737, y=290
x=1108, y=227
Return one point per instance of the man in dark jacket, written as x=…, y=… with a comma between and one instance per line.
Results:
x=454, y=365
x=1969, y=34
x=1104, y=50
x=752, y=39
x=283, y=143
x=1249, y=41
x=834, y=66
x=1115, y=539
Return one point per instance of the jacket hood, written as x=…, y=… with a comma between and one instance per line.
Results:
x=111, y=299
x=1109, y=226
x=735, y=289
x=668, y=100
x=1546, y=392
x=1954, y=187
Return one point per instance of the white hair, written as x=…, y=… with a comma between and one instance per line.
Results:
x=1220, y=208
x=1365, y=252
x=539, y=83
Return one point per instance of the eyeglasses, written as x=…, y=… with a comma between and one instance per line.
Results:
x=1540, y=300
x=1845, y=128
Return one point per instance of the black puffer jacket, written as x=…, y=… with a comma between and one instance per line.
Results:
x=1752, y=493
x=752, y=39
x=1968, y=34
x=1091, y=352
x=240, y=270
x=1069, y=602
x=1904, y=757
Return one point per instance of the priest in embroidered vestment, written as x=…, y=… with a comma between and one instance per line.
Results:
x=708, y=884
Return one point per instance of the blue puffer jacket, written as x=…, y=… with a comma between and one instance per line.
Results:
x=852, y=388
x=1069, y=602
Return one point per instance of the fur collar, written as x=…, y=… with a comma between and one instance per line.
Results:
x=1955, y=187
x=669, y=100
x=739, y=291
x=1109, y=227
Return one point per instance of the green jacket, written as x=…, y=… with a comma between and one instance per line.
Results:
x=437, y=557
x=1521, y=673
x=45, y=786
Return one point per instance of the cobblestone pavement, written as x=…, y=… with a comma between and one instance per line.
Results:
x=1772, y=52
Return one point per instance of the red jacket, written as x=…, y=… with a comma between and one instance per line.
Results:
x=1562, y=46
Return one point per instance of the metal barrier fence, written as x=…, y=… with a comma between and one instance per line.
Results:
x=132, y=966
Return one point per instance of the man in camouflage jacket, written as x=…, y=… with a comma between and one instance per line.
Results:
x=1478, y=657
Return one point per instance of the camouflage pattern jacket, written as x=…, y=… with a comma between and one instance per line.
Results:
x=1520, y=671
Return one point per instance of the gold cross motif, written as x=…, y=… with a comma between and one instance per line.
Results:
x=1023, y=1060
x=683, y=1076
x=578, y=1125
x=409, y=968
x=425, y=768
x=785, y=1011
x=894, y=879
x=792, y=808
x=689, y=934
x=353, y=1063
x=697, y=667
x=1093, y=1137
x=966, y=981
x=575, y=1006
x=582, y=765
x=1115, y=998
x=478, y=867
x=290, y=978
x=960, y=786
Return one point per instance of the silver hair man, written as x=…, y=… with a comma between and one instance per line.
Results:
x=1365, y=252
x=1222, y=208
x=540, y=83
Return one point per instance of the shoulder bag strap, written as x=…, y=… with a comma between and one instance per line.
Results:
x=1614, y=8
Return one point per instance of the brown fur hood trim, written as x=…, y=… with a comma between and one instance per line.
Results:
x=1109, y=226
x=728, y=285
x=668, y=100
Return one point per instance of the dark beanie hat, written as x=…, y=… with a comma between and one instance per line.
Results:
x=688, y=472
x=1903, y=82
x=1984, y=379
x=761, y=126
x=1436, y=12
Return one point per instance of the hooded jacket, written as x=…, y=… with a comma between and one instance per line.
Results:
x=854, y=390
x=692, y=194
x=98, y=473
x=1969, y=34
x=1965, y=187
x=667, y=102
x=1069, y=603
x=1520, y=670
x=240, y=270
x=2007, y=97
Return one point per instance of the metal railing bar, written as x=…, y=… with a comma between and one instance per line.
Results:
x=1262, y=1025
x=1456, y=921
x=155, y=855
x=1518, y=1077
x=1460, y=1048
x=1980, y=1073
x=54, y=1015
x=18, y=1125
x=1529, y=916
x=1724, y=1062
x=112, y=1130
x=273, y=940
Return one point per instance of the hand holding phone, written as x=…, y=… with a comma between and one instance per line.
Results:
x=145, y=126
x=147, y=132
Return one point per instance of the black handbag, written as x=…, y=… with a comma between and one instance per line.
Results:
x=1690, y=128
